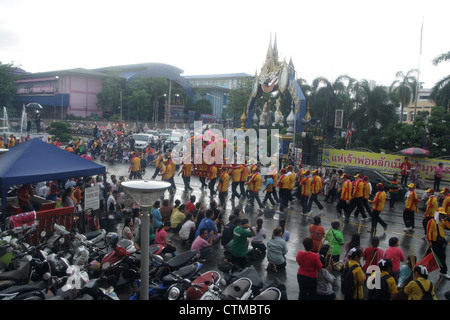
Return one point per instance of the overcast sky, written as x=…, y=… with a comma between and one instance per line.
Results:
x=363, y=39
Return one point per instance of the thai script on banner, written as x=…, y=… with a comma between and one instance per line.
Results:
x=385, y=163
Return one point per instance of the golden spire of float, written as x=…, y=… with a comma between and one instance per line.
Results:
x=244, y=120
x=307, y=115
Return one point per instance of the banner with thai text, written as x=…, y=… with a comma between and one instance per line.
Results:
x=385, y=163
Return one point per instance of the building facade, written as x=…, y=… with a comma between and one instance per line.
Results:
x=424, y=103
x=215, y=88
x=61, y=92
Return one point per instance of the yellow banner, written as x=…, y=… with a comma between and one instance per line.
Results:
x=385, y=163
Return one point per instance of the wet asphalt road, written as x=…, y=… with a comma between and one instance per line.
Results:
x=298, y=225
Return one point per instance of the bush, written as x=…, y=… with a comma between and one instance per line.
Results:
x=61, y=130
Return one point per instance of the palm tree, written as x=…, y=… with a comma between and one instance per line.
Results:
x=405, y=87
x=373, y=108
x=441, y=90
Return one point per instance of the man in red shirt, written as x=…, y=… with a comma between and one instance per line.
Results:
x=24, y=196
x=309, y=266
x=405, y=168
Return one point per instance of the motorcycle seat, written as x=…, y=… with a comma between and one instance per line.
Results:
x=182, y=258
x=33, y=286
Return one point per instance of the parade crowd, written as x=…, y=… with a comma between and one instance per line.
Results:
x=206, y=227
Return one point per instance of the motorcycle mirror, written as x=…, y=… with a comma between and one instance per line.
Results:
x=47, y=276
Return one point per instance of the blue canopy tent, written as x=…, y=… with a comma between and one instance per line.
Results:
x=34, y=161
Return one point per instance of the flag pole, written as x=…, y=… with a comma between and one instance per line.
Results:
x=418, y=72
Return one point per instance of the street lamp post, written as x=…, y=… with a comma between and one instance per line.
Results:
x=145, y=193
x=156, y=108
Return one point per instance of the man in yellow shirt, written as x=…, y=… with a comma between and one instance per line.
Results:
x=305, y=184
x=291, y=175
x=255, y=184
x=446, y=201
x=158, y=163
x=283, y=184
x=410, y=208
x=244, y=176
x=168, y=173
x=378, y=206
x=235, y=180
x=300, y=174
x=432, y=207
x=358, y=197
x=346, y=197
x=436, y=239
x=316, y=189
x=186, y=172
x=212, y=177
x=222, y=187
x=135, y=167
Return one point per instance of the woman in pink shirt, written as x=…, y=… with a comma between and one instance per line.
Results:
x=161, y=238
x=396, y=255
x=309, y=265
x=438, y=176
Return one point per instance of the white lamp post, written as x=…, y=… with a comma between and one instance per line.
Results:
x=145, y=193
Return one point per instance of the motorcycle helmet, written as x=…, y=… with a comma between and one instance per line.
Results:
x=112, y=239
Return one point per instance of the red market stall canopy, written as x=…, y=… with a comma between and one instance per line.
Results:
x=34, y=161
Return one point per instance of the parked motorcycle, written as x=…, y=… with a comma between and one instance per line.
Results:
x=118, y=265
x=193, y=290
x=161, y=267
x=158, y=290
x=240, y=289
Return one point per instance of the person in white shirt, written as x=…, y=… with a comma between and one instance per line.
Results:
x=43, y=190
x=111, y=205
x=187, y=231
x=257, y=241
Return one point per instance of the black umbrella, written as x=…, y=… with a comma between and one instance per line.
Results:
x=34, y=105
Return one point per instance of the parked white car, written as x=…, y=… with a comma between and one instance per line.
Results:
x=142, y=141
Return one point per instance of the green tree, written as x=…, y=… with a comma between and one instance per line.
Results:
x=109, y=98
x=238, y=99
x=441, y=90
x=405, y=87
x=157, y=89
x=200, y=106
x=438, y=135
x=140, y=104
x=7, y=84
